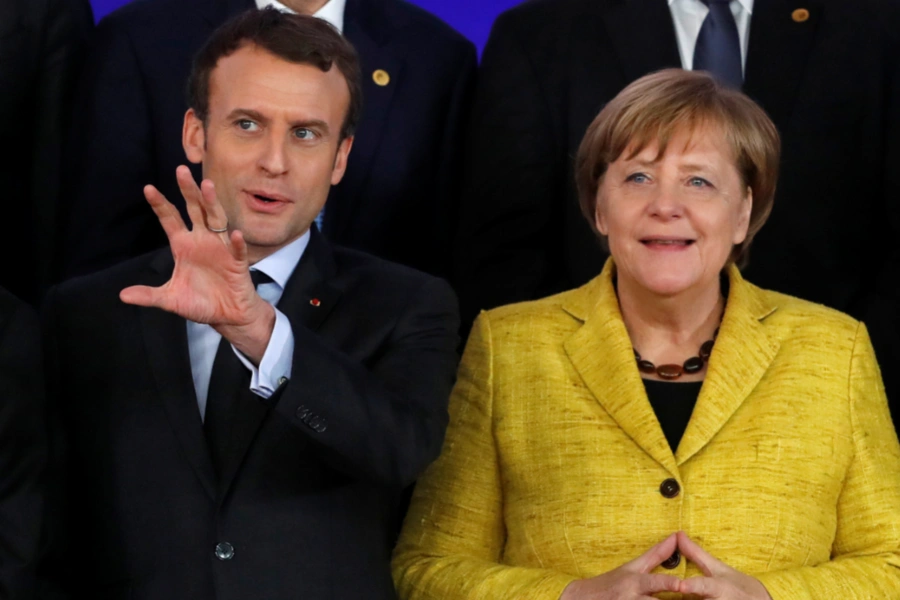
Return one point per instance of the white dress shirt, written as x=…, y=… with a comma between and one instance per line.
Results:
x=203, y=340
x=688, y=16
x=332, y=12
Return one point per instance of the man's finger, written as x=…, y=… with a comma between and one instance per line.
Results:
x=653, y=557
x=215, y=214
x=704, y=587
x=168, y=215
x=192, y=196
x=653, y=583
x=708, y=564
x=142, y=295
x=239, y=247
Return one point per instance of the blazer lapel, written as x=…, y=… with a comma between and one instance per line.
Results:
x=602, y=354
x=165, y=339
x=741, y=356
x=307, y=300
x=778, y=51
x=367, y=30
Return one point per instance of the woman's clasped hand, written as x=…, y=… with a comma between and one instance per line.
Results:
x=635, y=580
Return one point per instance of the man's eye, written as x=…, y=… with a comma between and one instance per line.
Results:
x=247, y=125
x=304, y=133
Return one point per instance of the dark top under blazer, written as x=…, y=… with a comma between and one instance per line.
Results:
x=831, y=84
x=397, y=199
x=309, y=496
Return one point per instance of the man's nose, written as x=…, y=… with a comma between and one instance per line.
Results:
x=273, y=157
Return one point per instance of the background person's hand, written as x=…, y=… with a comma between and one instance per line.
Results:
x=211, y=280
x=719, y=580
x=631, y=580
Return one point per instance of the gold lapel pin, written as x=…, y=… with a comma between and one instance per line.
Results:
x=315, y=302
x=381, y=77
x=800, y=15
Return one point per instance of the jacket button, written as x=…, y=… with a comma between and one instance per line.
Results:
x=282, y=381
x=669, y=488
x=224, y=551
x=673, y=561
x=322, y=425
x=303, y=413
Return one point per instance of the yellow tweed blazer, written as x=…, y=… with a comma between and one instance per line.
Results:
x=789, y=467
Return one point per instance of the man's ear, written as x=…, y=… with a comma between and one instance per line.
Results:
x=340, y=160
x=193, y=137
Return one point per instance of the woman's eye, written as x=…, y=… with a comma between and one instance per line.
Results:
x=305, y=134
x=698, y=182
x=247, y=125
x=638, y=178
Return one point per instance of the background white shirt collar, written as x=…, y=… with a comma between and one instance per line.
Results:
x=688, y=16
x=332, y=12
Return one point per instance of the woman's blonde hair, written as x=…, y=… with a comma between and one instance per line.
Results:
x=656, y=107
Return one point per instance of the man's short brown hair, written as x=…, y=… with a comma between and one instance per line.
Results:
x=299, y=39
x=656, y=107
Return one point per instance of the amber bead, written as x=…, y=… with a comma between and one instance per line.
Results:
x=706, y=349
x=669, y=371
x=693, y=365
x=645, y=366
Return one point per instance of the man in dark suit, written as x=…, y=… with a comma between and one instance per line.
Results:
x=23, y=450
x=826, y=71
x=398, y=197
x=41, y=47
x=220, y=446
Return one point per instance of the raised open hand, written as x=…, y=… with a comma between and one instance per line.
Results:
x=719, y=580
x=211, y=281
x=631, y=580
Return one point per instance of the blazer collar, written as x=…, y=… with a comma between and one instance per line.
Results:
x=601, y=352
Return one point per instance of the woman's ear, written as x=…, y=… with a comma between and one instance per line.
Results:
x=743, y=224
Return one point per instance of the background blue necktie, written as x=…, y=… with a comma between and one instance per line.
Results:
x=718, y=49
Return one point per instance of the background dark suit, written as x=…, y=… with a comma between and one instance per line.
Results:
x=309, y=495
x=397, y=199
x=23, y=447
x=41, y=43
x=831, y=84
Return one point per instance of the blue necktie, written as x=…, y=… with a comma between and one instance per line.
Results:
x=718, y=47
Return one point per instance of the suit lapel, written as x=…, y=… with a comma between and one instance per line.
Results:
x=366, y=28
x=778, y=51
x=643, y=36
x=165, y=339
x=307, y=300
x=741, y=356
x=602, y=354
x=216, y=12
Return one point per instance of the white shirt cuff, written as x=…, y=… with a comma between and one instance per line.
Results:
x=275, y=366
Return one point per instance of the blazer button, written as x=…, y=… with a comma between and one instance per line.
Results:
x=669, y=488
x=224, y=551
x=303, y=413
x=322, y=425
x=282, y=381
x=673, y=561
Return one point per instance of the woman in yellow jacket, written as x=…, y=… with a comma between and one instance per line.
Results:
x=668, y=430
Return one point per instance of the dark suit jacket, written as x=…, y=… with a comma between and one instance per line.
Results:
x=309, y=496
x=41, y=46
x=397, y=197
x=23, y=447
x=831, y=85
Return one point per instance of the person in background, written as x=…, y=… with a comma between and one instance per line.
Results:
x=828, y=74
x=398, y=197
x=23, y=448
x=42, y=44
x=243, y=409
x=668, y=429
